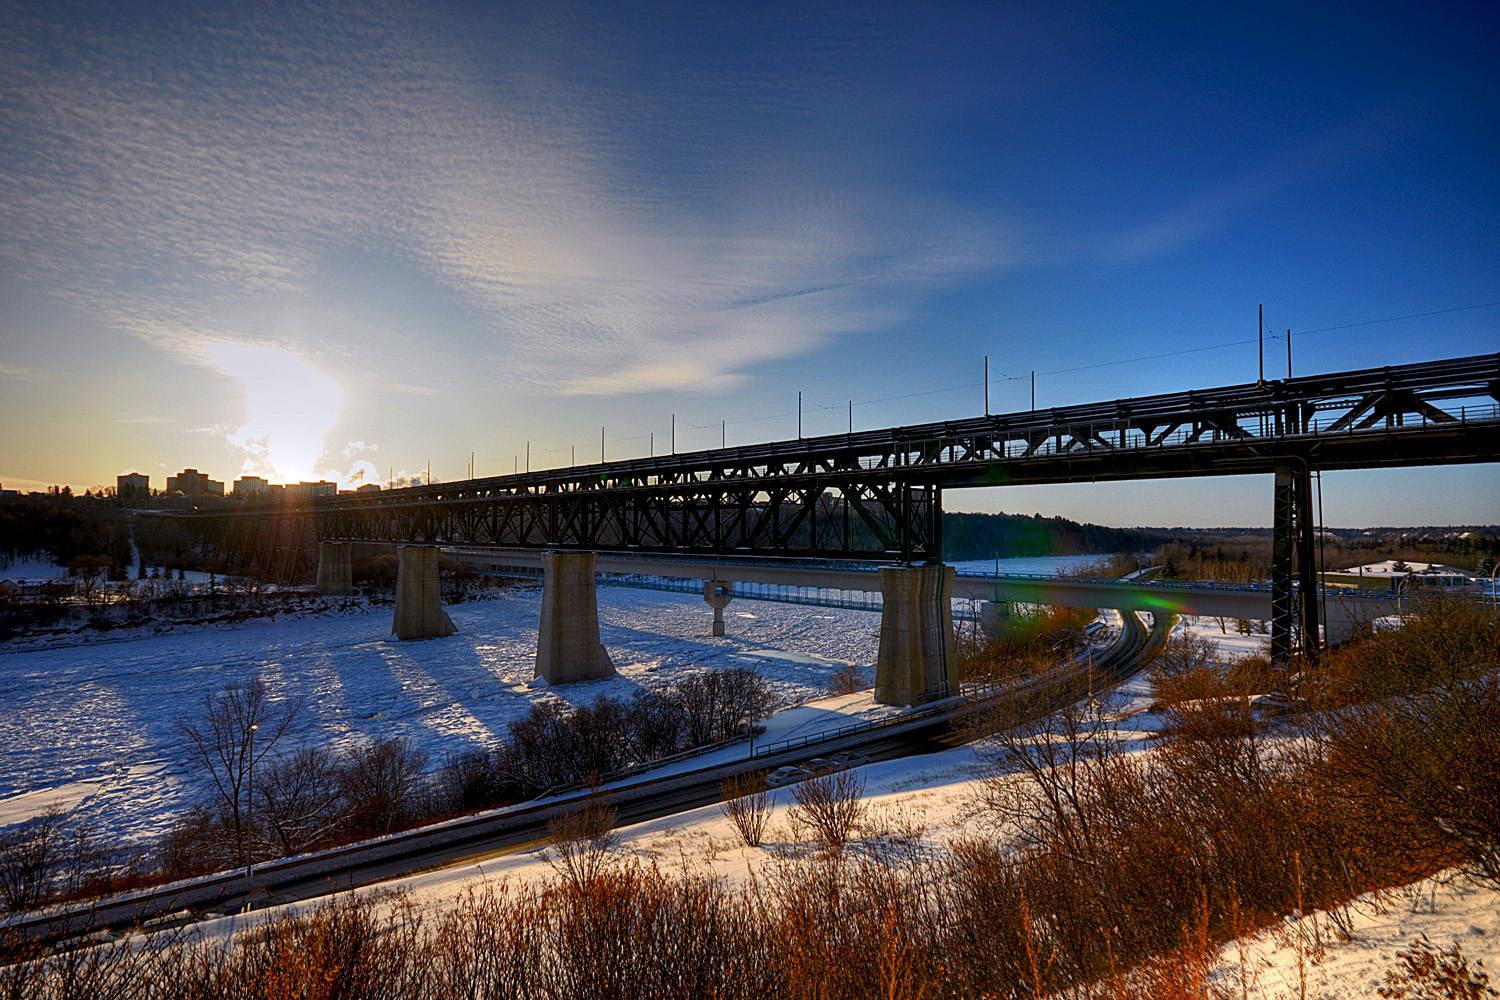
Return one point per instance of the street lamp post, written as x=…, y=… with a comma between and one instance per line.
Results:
x=250, y=805
x=755, y=673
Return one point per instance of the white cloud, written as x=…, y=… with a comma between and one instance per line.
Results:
x=182, y=169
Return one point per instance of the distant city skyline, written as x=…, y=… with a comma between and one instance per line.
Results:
x=309, y=243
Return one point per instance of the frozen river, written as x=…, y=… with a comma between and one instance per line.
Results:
x=88, y=723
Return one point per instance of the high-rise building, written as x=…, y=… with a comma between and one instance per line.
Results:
x=192, y=483
x=132, y=486
x=246, y=487
x=303, y=490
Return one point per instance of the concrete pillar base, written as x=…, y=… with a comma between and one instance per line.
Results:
x=335, y=569
x=419, y=610
x=918, y=662
x=567, y=641
x=717, y=595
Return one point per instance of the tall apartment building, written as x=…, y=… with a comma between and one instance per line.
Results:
x=246, y=487
x=192, y=483
x=132, y=486
x=303, y=490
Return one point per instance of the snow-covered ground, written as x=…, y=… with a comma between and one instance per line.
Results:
x=1313, y=959
x=933, y=800
x=88, y=723
x=86, y=717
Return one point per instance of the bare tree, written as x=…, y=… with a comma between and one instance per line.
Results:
x=50, y=856
x=239, y=726
x=831, y=803
x=582, y=841
x=380, y=781
x=299, y=800
x=722, y=703
x=747, y=803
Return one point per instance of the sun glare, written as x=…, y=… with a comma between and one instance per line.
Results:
x=291, y=407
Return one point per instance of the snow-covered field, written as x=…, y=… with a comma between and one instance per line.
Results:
x=87, y=720
x=937, y=799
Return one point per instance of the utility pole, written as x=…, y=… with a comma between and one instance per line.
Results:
x=986, y=385
x=1289, y=354
x=851, y=416
x=601, y=446
x=723, y=434
x=651, y=451
x=674, y=433
x=528, y=456
x=1033, y=388
x=799, y=414
x=1260, y=332
x=572, y=454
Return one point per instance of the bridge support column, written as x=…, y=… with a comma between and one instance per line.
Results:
x=419, y=610
x=567, y=641
x=917, y=662
x=717, y=595
x=335, y=569
x=1294, y=612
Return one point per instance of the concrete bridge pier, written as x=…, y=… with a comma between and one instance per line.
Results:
x=717, y=594
x=335, y=569
x=918, y=662
x=419, y=611
x=567, y=642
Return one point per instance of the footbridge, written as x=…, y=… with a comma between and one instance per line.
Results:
x=876, y=497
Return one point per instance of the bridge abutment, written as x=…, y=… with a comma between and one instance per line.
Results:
x=567, y=642
x=419, y=610
x=917, y=661
x=335, y=569
x=717, y=594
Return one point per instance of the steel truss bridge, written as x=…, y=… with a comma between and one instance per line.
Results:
x=877, y=495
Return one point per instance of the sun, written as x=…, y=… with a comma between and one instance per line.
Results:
x=292, y=405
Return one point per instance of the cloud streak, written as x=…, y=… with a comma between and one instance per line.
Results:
x=610, y=238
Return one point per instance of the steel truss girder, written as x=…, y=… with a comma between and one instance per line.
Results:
x=842, y=518
x=756, y=498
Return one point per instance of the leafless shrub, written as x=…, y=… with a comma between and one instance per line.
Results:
x=54, y=857
x=747, y=803
x=719, y=704
x=379, y=782
x=299, y=801
x=848, y=679
x=1425, y=972
x=1435, y=757
x=582, y=842
x=832, y=804
x=472, y=780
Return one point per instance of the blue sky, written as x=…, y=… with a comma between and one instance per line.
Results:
x=344, y=241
